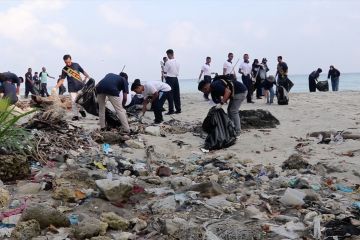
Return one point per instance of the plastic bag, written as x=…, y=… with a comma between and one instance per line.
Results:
x=220, y=129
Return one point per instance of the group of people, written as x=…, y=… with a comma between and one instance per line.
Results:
x=333, y=75
x=226, y=88
x=37, y=84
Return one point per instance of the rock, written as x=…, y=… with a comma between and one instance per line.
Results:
x=153, y=130
x=179, y=228
x=232, y=229
x=178, y=182
x=117, y=190
x=26, y=230
x=257, y=119
x=4, y=198
x=45, y=215
x=311, y=195
x=218, y=201
x=139, y=224
x=165, y=205
x=208, y=189
x=90, y=227
x=65, y=194
x=13, y=167
x=232, y=198
x=115, y=221
x=163, y=171
x=29, y=188
x=100, y=238
x=123, y=236
x=295, y=161
x=134, y=144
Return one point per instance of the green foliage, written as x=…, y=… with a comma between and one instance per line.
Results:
x=12, y=137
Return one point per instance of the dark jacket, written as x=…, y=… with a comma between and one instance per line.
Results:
x=334, y=73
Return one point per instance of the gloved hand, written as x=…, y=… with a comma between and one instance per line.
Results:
x=53, y=91
x=218, y=106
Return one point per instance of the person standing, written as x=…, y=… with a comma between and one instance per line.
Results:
x=228, y=68
x=72, y=71
x=171, y=69
x=255, y=72
x=206, y=70
x=162, y=65
x=110, y=87
x=29, y=83
x=334, y=75
x=245, y=71
x=282, y=73
x=222, y=91
x=36, y=82
x=43, y=81
x=158, y=91
x=313, y=77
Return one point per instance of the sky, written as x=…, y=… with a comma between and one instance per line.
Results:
x=103, y=36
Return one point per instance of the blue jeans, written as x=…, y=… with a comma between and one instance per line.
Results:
x=335, y=84
x=233, y=110
x=270, y=97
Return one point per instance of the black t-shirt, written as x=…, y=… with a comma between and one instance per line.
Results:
x=314, y=75
x=112, y=84
x=72, y=73
x=218, y=89
x=9, y=90
x=11, y=77
x=28, y=78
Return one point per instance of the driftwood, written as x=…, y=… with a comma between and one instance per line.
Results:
x=327, y=134
x=46, y=102
x=108, y=137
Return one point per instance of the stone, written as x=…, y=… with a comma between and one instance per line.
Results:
x=163, y=171
x=13, y=167
x=123, y=236
x=179, y=228
x=153, y=130
x=164, y=205
x=100, y=238
x=138, y=224
x=232, y=229
x=178, y=182
x=134, y=144
x=29, y=188
x=115, y=221
x=208, y=189
x=295, y=161
x=4, y=198
x=90, y=227
x=174, y=225
x=117, y=190
x=45, y=215
x=26, y=230
x=257, y=119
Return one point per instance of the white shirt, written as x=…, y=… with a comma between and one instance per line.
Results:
x=152, y=87
x=206, y=70
x=171, y=68
x=245, y=68
x=228, y=67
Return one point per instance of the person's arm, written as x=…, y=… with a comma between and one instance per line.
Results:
x=201, y=73
x=329, y=74
x=124, y=100
x=146, y=101
x=50, y=76
x=154, y=96
x=226, y=96
x=59, y=83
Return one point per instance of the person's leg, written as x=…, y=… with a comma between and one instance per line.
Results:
x=120, y=111
x=42, y=89
x=74, y=106
x=250, y=89
x=267, y=97
x=170, y=95
x=27, y=90
x=176, y=92
x=271, y=90
x=157, y=109
x=233, y=110
x=337, y=84
x=101, y=101
x=333, y=84
x=45, y=90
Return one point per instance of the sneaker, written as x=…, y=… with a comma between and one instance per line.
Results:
x=169, y=113
x=75, y=118
x=251, y=102
x=83, y=113
x=157, y=121
x=177, y=112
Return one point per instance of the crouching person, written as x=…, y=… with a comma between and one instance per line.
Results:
x=110, y=87
x=9, y=85
x=223, y=90
x=158, y=91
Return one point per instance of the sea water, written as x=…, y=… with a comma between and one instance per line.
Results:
x=348, y=81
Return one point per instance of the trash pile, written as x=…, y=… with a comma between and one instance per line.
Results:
x=81, y=187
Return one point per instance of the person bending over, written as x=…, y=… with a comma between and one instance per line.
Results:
x=158, y=91
x=223, y=90
x=110, y=87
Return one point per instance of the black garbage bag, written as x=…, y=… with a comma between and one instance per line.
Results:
x=87, y=99
x=322, y=86
x=286, y=83
x=220, y=129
